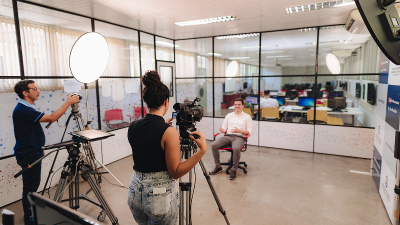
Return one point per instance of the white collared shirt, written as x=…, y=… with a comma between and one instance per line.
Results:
x=269, y=103
x=242, y=121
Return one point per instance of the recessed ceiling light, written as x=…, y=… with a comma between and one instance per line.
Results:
x=307, y=29
x=239, y=58
x=206, y=21
x=273, y=52
x=318, y=6
x=329, y=42
x=284, y=59
x=262, y=46
x=216, y=54
x=166, y=44
x=239, y=36
x=278, y=56
x=332, y=27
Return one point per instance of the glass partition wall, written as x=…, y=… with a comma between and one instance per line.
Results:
x=292, y=65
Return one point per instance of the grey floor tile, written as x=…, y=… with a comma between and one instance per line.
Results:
x=281, y=187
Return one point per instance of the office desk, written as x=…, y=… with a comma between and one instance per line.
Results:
x=292, y=102
x=346, y=112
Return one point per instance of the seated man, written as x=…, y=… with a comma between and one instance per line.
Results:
x=269, y=102
x=237, y=125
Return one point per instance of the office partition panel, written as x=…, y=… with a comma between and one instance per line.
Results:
x=292, y=136
x=346, y=141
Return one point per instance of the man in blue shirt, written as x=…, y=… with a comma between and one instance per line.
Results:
x=30, y=138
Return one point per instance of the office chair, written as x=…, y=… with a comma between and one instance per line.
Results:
x=321, y=116
x=229, y=149
x=248, y=111
x=114, y=119
x=270, y=114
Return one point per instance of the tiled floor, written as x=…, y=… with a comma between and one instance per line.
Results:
x=281, y=187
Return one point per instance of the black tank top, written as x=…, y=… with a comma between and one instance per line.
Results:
x=145, y=136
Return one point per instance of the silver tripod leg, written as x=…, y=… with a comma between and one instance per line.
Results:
x=86, y=175
x=63, y=181
x=109, y=172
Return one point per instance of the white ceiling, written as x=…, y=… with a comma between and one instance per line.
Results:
x=158, y=17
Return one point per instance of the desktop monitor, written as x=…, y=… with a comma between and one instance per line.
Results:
x=335, y=94
x=46, y=211
x=310, y=94
x=251, y=100
x=281, y=100
x=327, y=83
x=274, y=92
x=306, y=102
x=329, y=88
x=291, y=94
x=371, y=94
x=337, y=103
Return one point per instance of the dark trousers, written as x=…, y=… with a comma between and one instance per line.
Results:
x=31, y=182
x=236, y=143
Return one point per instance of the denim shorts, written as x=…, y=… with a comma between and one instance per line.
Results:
x=150, y=208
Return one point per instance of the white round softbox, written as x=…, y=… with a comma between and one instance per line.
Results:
x=89, y=57
x=333, y=63
x=231, y=70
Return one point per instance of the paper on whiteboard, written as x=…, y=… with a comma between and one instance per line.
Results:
x=72, y=86
x=132, y=86
x=106, y=89
x=117, y=90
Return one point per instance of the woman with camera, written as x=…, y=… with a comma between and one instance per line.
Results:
x=153, y=195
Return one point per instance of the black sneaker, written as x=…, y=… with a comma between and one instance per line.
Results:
x=232, y=176
x=216, y=170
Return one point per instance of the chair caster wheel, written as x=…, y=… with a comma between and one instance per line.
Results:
x=245, y=165
x=245, y=171
x=227, y=172
x=102, y=216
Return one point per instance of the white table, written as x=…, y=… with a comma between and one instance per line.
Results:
x=347, y=112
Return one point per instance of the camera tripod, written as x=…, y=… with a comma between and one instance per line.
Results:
x=76, y=115
x=77, y=162
x=187, y=146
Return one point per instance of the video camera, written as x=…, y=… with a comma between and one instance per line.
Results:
x=187, y=114
x=75, y=106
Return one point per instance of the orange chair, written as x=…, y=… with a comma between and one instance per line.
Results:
x=114, y=119
x=229, y=149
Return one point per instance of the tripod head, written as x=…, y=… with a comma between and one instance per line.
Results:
x=75, y=106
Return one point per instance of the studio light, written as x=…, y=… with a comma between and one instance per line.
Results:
x=231, y=70
x=89, y=57
x=333, y=63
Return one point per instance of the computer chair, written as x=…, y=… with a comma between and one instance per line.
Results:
x=270, y=114
x=229, y=149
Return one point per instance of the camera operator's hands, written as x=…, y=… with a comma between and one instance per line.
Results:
x=169, y=121
x=201, y=141
x=72, y=99
x=221, y=129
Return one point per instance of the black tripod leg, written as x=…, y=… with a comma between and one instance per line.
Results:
x=50, y=172
x=55, y=157
x=99, y=195
x=221, y=209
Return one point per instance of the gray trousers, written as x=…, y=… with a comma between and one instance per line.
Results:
x=237, y=144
